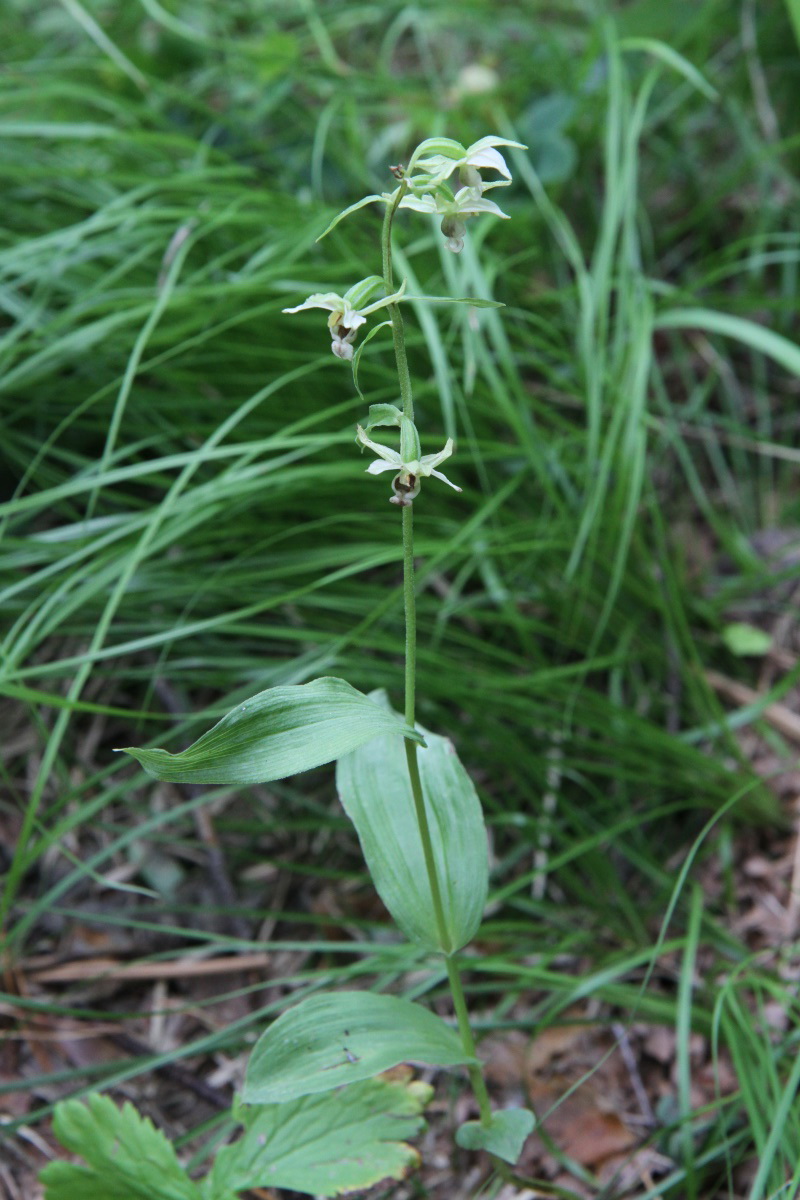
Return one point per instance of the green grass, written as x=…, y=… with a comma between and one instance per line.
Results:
x=184, y=505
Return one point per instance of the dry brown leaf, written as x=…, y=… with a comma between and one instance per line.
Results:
x=591, y=1136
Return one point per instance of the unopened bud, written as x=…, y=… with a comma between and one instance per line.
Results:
x=471, y=177
x=454, y=230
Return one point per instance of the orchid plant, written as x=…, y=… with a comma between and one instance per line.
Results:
x=414, y=807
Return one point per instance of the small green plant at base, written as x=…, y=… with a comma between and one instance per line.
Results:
x=317, y=1115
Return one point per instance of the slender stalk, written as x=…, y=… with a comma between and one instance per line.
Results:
x=467, y=1039
x=396, y=317
x=409, y=604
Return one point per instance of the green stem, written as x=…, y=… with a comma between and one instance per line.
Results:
x=467, y=1039
x=411, y=747
x=395, y=316
x=409, y=603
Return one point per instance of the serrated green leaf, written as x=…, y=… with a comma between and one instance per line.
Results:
x=277, y=733
x=504, y=1136
x=337, y=1038
x=346, y=212
x=127, y=1157
x=375, y=791
x=325, y=1144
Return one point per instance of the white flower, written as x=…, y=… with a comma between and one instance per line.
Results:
x=410, y=467
x=454, y=210
x=348, y=312
x=448, y=156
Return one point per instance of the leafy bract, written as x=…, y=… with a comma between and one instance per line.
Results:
x=128, y=1158
x=375, y=790
x=324, y=1144
x=277, y=733
x=472, y=301
x=336, y=1038
x=374, y=199
x=504, y=1135
x=382, y=414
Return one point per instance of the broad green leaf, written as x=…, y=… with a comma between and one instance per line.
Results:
x=743, y=639
x=277, y=733
x=325, y=1144
x=128, y=1158
x=504, y=1136
x=375, y=791
x=335, y=1038
x=353, y=208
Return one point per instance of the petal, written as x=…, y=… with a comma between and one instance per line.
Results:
x=398, y=295
x=437, y=168
x=423, y=204
x=361, y=293
x=488, y=158
x=485, y=143
x=468, y=201
x=444, y=479
x=429, y=461
x=327, y=300
x=375, y=468
x=351, y=319
x=385, y=452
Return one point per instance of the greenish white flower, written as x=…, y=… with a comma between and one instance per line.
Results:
x=454, y=210
x=408, y=464
x=350, y=311
x=447, y=156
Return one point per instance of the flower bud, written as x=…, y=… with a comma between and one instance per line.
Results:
x=454, y=230
x=470, y=177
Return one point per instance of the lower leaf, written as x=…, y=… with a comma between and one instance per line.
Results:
x=504, y=1135
x=337, y=1038
x=325, y=1144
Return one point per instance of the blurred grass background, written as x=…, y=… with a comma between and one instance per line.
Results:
x=186, y=520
